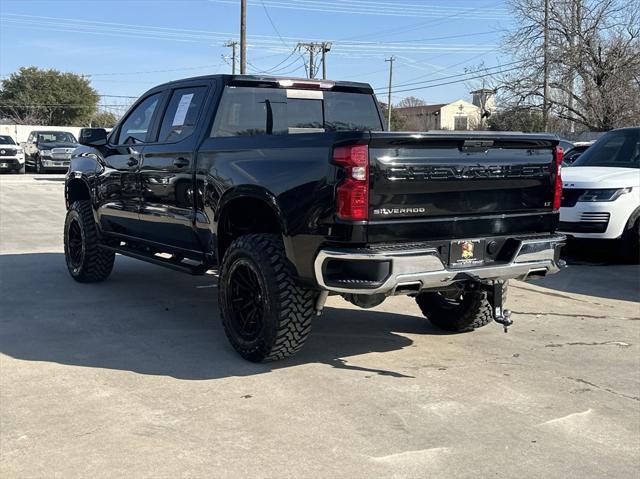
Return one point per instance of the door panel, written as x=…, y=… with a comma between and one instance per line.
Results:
x=118, y=190
x=166, y=173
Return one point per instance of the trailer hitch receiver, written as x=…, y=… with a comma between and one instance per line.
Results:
x=495, y=296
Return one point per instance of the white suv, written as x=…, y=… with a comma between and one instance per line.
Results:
x=11, y=155
x=601, y=191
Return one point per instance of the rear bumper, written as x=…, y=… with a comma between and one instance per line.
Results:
x=402, y=271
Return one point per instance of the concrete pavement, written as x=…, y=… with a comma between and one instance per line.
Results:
x=134, y=377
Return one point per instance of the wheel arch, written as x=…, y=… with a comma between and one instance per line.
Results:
x=76, y=189
x=247, y=210
x=635, y=215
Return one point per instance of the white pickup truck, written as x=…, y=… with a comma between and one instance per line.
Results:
x=601, y=192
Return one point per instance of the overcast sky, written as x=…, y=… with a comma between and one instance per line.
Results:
x=128, y=46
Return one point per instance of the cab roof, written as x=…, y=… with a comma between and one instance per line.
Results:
x=278, y=82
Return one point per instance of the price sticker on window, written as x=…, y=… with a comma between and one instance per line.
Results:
x=181, y=111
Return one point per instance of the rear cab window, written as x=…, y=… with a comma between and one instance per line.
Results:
x=250, y=111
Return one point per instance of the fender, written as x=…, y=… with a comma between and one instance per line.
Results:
x=255, y=192
x=633, y=218
x=86, y=163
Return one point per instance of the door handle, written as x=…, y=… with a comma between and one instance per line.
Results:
x=132, y=162
x=181, y=162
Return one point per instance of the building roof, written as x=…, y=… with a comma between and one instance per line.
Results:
x=420, y=110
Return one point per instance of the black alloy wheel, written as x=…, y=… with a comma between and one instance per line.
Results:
x=265, y=313
x=75, y=244
x=245, y=303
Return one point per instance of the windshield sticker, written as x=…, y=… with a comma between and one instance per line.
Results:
x=181, y=111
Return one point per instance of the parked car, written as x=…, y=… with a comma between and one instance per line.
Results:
x=565, y=144
x=11, y=155
x=49, y=150
x=573, y=153
x=294, y=191
x=601, y=197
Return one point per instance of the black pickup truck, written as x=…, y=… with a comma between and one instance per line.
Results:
x=293, y=191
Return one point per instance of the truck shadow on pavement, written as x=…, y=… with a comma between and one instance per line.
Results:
x=150, y=320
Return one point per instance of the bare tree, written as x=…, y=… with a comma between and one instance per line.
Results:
x=411, y=101
x=483, y=91
x=593, y=60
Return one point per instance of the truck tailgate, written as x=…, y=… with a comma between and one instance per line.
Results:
x=428, y=186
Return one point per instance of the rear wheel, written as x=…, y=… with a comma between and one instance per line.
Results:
x=86, y=261
x=266, y=315
x=457, y=311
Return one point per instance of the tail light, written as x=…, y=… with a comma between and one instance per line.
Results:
x=352, y=194
x=558, y=156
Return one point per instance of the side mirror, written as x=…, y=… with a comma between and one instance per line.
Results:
x=93, y=136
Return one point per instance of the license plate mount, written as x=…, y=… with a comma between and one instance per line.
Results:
x=466, y=253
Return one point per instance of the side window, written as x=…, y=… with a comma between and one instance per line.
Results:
x=182, y=113
x=137, y=124
x=250, y=111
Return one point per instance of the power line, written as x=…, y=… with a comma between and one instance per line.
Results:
x=322, y=6
x=269, y=42
x=458, y=81
x=273, y=25
x=415, y=26
x=454, y=76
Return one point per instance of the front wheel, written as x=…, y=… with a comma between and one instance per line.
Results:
x=266, y=315
x=631, y=241
x=457, y=311
x=86, y=261
x=39, y=167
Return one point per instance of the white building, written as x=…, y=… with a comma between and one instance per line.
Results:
x=458, y=115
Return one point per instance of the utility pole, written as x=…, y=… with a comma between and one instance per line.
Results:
x=326, y=47
x=243, y=37
x=389, y=107
x=312, y=48
x=232, y=44
x=545, y=81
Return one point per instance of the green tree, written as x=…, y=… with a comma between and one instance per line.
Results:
x=104, y=119
x=47, y=97
x=516, y=119
x=398, y=122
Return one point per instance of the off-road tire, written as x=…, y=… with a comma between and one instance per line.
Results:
x=286, y=308
x=95, y=263
x=472, y=311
